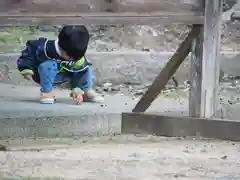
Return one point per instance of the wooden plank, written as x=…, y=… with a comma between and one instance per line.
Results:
x=88, y=6
x=22, y=19
x=48, y=12
x=139, y=123
x=196, y=75
x=205, y=64
x=211, y=58
x=167, y=72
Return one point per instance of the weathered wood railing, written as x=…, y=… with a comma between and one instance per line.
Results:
x=22, y=12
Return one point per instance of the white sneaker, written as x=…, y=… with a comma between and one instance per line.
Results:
x=47, y=98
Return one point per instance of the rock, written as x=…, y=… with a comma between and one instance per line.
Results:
x=107, y=87
x=224, y=157
x=3, y=148
x=98, y=89
x=139, y=93
x=146, y=49
x=115, y=88
x=230, y=102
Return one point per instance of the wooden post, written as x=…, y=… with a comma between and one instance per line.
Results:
x=167, y=72
x=205, y=63
x=196, y=75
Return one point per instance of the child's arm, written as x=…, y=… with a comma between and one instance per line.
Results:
x=81, y=82
x=32, y=56
x=26, y=61
x=43, y=52
x=34, y=52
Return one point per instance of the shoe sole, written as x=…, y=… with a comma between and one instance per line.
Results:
x=47, y=101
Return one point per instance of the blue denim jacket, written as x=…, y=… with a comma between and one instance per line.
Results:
x=42, y=49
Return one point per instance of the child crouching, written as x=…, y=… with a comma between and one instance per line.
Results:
x=52, y=62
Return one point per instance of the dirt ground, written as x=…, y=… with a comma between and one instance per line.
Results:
x=122, y=158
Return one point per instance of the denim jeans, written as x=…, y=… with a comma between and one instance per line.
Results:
x=47, y=75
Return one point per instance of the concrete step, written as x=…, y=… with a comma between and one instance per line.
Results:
x=131, y=67
x=21, y=115
x=114, y=67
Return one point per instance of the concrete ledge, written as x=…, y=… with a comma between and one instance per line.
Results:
x=60, y=126
x=21, y=115
x=131, y=67
x=180, y=126
x=115, y=67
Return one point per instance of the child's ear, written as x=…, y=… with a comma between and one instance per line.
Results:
x=66, y=56
x=70, y=58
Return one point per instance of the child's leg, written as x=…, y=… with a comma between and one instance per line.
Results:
x=59, y=78
x=83, y=80
x=47, y=72
x=62, y=78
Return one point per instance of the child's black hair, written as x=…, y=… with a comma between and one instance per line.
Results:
x=74, y=40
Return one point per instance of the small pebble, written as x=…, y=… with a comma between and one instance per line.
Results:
x=84, y=141
x=3, y=148
x=224, y=157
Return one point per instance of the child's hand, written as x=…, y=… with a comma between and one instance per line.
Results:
x=77, y=95
x=77, y=98
x=27, y=74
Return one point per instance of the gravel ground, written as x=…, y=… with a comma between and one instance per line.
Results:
x=125, y=158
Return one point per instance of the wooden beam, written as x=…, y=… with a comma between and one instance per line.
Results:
x=196, y=75
x=131, y=18
x=206, y=65
x=48, y=12
x=139, y=123
x=167, y=72
x=97, y=6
